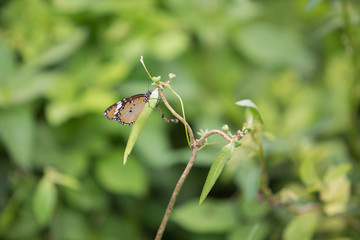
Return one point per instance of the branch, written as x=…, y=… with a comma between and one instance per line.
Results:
x=175, y=194
x=181, y=119
x=207, y=134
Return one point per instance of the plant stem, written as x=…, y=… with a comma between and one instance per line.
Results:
x=175, y=193
x=195, y=145
x=206, y=135
x=264, y=180
x=181, y=119
x=352, y=44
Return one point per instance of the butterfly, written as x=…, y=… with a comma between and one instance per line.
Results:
x=127, y=110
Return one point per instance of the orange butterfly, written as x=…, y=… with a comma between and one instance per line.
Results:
x=127, y=110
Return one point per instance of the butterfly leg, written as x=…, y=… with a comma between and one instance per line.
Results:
x=174, y=120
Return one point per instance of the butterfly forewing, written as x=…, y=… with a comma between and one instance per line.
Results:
x=131, y=110
x=112, y=111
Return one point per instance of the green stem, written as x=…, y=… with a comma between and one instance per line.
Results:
x=142, y=62
x=352, y=45
x=264, y=179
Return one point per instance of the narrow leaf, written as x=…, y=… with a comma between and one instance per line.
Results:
x=139, y=123
x=254, y=109
x=221, y=159
x=44, y=201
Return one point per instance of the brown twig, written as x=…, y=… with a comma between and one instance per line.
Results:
x=181, y=119
x=175, y=193
x=207, y=134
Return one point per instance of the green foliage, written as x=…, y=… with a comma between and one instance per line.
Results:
x=62, y=63
x=209, y=217
x=44, y=201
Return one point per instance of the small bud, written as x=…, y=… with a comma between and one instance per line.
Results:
x=225, y=128
x=172, y=76
x=156, y=79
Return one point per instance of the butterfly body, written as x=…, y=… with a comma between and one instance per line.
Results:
x=127, y=110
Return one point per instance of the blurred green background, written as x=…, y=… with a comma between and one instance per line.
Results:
x=63, y=62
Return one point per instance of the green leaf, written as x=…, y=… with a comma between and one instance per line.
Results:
x=337, y=171
x=287, y=48
x=72, y=224
x=308, y=172
x=117, y=178
x=7, y=61
x=27, y=84
x=17, y=129
x=247, y=177
x=44, y=201
x=139, y=123
x=337, y=189
x=221, y=159
x=251, y=231
x=87, y=198
x=210, y=217
x=302, y=227
x=251, y=105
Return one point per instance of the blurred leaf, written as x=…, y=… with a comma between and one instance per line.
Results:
x=44, y=201
x=272, y=46
x=92, y=100
x=253, y=209
x=118, y=227
x=247, y=103
x=302, y=227
x=159, y=155
x=338, y=171
x=209, y=217
x=88, y=198
x=48, y=151
x=247, y=177
x=218, y=165
x=17, y=130
x=130, y=179
x=74, y=164
x=112, y=72
x=250, y=231
x=62, y=179
x=336, y=192
x=25, y=226
x=169, y=45
x=71, y=225
x=26, y=85
x=7, y=62
x=139, y=123
x=8, y=215
x=308, y=173
x=61, y=50
x=311, y=4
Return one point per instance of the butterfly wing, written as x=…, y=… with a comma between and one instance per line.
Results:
x=127, y=110
x=112, y=112
x=132, y=109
